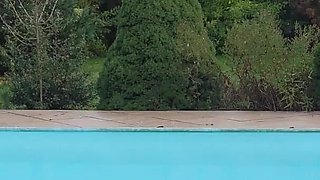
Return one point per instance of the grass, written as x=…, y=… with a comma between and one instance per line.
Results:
x=93, y=67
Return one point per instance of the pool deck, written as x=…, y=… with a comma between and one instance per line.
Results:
x=63, y=119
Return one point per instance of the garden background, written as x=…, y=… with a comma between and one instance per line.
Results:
x=160, y=54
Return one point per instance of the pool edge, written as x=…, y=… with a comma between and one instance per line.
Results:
x=205, y=130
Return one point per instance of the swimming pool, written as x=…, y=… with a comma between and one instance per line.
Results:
x=124, y=155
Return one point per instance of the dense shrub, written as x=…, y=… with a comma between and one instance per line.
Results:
x=162, y=59
x=3, y=62
x=273, y=73
x=316, y=79
x=295, y=83
x=221, y=15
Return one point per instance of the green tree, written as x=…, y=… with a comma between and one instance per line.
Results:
x=97, y=24
x=162, y=59
x=46, y=47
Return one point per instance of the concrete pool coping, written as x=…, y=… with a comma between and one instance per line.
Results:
x=192, y=121
x=156, y=130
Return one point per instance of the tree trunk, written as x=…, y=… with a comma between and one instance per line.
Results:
x=39, y=54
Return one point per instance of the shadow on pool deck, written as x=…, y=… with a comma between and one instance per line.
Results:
x=159, y=119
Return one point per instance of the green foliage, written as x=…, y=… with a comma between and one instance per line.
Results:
x=94, y=67
x=3, y=61
x=4, y=95
x=86, y=3
x=95, y=26
x=57, y=68
x=295, y=85
x=162, y=59
x=274, y=74
x=222, y=14
x=316, y=79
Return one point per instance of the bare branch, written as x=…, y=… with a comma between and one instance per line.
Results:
x=19, y=37
x=17, y=14
x=43, y=9
x=24, y=9
x=52, y=10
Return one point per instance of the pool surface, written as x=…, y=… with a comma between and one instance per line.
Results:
x=72, y=155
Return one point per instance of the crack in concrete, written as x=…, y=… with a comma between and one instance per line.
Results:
x=43, y=119
x=140, y=119
x=174, y=120
x=110, y=120
x=275, y=118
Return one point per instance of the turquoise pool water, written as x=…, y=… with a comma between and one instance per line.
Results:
x=159, y=155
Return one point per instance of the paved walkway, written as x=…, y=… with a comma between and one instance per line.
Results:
x=165, y=119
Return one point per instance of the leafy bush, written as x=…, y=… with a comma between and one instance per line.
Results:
x=4, y=95
x=221, y=15
x=273, y=73
x=162, y=59
x=316, y=79
x=296, y=81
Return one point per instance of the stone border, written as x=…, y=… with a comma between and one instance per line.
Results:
x=177, y=130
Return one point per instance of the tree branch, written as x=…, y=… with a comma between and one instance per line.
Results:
x=24, y=9
x=19, y=37
x=43, y=9
x=52, y=10
x=17, y=14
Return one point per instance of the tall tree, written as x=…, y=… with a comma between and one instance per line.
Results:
x=162, y=59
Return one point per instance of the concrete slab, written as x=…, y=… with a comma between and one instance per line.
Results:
x=36, y=124
x=49, y=115
x=92, y=123
x=8, y=118
x=160, y=119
